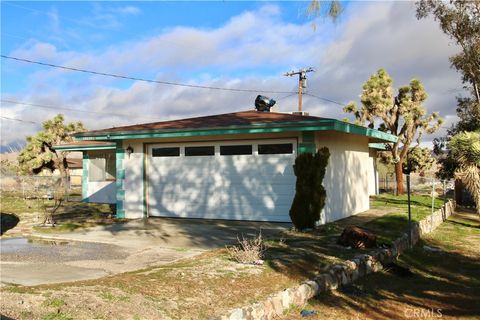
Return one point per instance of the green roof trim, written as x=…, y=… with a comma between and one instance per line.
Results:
x=85, y=163
x=84, y=147
x=379, y=146
x=310, y=125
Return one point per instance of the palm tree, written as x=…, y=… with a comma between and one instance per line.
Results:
x=465, y=147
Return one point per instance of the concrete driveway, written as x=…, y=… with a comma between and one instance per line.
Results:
x=116, y=248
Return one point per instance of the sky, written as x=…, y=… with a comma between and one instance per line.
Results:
x=239, y=45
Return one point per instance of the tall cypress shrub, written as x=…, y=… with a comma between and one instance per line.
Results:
x=310, y=194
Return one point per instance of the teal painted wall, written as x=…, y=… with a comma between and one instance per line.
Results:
x=308, y=143
x=85, y=177
x=120, y=177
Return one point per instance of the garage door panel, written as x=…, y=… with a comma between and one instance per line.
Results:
x=238, y=213
x=255, y=190
x=283, y=167
x=238, y=187
x=226, y=200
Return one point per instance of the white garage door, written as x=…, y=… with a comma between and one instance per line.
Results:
x=240, y=180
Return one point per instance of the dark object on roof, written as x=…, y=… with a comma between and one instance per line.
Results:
x=357, y=238
x=395, y=269
x=263, y=103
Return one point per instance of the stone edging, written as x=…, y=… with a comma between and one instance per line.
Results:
x=339, y=274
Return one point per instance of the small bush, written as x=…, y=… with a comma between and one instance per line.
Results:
x=309, y=192
x=248, y=251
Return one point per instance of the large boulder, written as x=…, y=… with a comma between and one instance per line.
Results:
x=356, y=237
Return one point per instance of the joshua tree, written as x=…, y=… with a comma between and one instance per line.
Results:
x=465, y=147
x=402, y=115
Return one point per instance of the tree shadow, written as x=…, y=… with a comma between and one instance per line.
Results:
x=303, y=255
x=468, y=225
x=446, y=282
x=8, y=221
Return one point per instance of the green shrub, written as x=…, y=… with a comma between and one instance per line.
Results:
x=310, y=194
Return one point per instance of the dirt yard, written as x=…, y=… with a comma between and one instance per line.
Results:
x=445, y=283
x=202, y=286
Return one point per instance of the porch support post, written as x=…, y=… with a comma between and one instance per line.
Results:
x=85, y=162
x=120, y=177
x=308, y=143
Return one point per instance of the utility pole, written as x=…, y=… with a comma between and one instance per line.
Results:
x=302, y=82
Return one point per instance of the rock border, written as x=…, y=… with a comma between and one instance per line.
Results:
x=339, y=274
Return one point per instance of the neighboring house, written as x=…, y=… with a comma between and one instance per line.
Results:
x=75, y=169
x=235, y=166
x=74, y=162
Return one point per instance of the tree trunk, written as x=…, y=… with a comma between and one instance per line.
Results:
x=399, y=177
x=458, y=192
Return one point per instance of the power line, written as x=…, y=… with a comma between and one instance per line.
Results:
x=288, y=95
x=68, y=109
x=325, y=99
x=20, y=120
x=139, y=79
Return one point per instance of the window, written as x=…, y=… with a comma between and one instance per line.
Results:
x=235, y=150
x=96, y=169
x=101, y=167
x=275, y=148
x=199, y=151
x=166, y=152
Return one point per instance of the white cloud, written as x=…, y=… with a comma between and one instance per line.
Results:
x=127, y=10
x=237, y=54
x=54, y=19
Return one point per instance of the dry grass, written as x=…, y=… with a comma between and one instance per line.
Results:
x=194, y=288
x=248, y=251
x=199, y=287
x=71, y=215
x=445, y=283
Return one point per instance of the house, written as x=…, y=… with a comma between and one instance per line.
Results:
x=236, y=166
x=74, y=162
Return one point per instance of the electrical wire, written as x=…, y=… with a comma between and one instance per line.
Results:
x=68, y=109
x=325, y=99
x=20, y=120
x=288, y=95
x=139, y=79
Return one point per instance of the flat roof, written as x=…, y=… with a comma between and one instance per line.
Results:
x=233, y=123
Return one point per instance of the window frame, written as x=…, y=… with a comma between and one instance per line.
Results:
x=199, y=147
x=166, y=155
x=289, y=144
x=231, y=146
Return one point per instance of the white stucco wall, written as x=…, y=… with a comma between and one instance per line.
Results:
x=101, y=192
x=346, y=181
x=346, y=178
x=133, y=183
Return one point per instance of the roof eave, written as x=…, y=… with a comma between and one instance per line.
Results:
x=309, y=125
x=84, y=147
